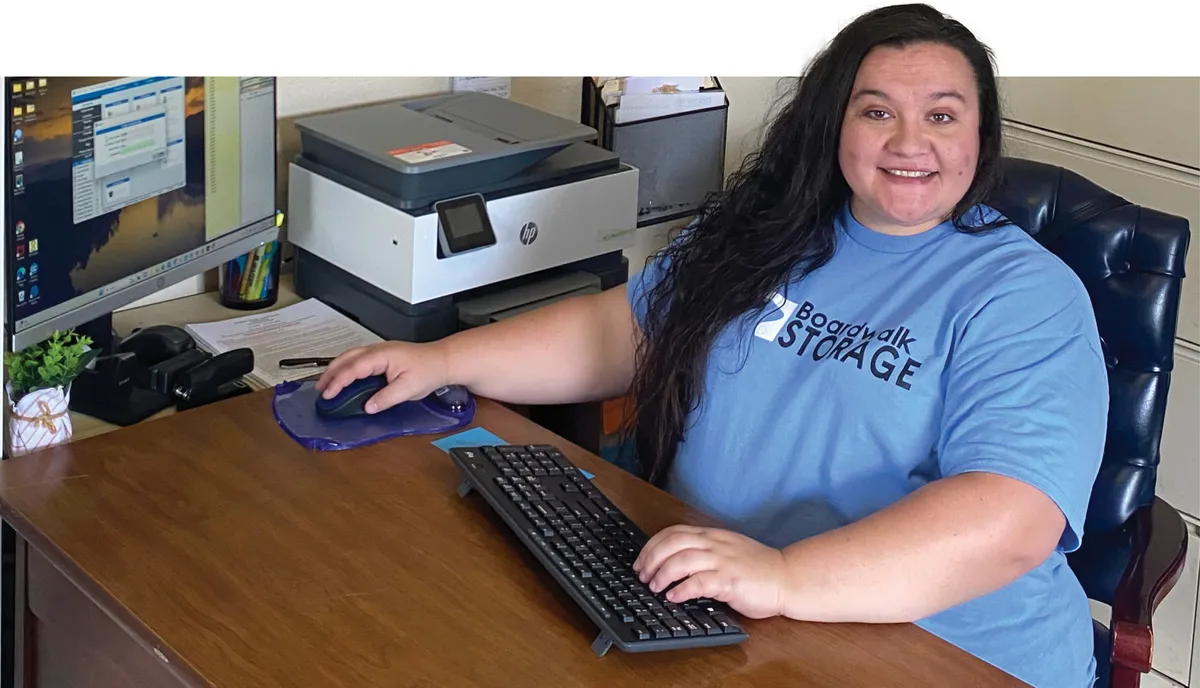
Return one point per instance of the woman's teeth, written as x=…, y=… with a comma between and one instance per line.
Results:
x=909, y=173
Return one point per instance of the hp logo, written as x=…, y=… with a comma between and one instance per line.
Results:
x=529, y=232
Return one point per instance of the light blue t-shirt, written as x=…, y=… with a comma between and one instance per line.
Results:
x=903, y=360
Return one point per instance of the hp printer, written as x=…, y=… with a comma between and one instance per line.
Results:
x=421, y=217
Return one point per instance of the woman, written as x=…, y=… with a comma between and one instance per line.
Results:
x=893, y=398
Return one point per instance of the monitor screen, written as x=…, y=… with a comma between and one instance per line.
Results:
x=115, y=182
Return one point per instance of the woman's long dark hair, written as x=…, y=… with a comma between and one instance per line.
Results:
x=774, y=222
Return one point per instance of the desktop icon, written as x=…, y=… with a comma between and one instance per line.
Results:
x=19, y=181
x=33, y=270
x=17, y=87
x=33, y=291
x=20, y=227
x=21, y=296
x=18, y=135
x=21, y=274
x=41, y=83
x=17, y=111
x=20, y=250
x=32, y=246
x=29, y=86
x=18, y=158
x=30, y=108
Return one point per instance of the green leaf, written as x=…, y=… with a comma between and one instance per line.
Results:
x=54, y=362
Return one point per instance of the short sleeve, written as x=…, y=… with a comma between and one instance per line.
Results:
x=639, y=285
x=1027, y=395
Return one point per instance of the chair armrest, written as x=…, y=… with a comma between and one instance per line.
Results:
x=1155, y=563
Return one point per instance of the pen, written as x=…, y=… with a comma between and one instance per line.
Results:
x=314, y=362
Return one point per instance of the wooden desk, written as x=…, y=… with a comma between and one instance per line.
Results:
x=206, y=548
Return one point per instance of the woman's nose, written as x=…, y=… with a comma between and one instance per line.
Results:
x=908, y=139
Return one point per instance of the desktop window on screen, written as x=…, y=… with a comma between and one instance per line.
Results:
x=122, y=177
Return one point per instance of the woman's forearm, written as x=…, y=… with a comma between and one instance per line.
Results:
x=953, y=540
x=579, y=349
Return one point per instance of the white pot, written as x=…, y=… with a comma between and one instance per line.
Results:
x=38, y=420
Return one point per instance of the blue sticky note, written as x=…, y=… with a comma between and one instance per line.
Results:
x=475, y=437
x=478, y=437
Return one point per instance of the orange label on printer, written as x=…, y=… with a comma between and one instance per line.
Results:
x=427, y=152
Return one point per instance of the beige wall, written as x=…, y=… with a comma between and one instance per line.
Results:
x=1154, y=116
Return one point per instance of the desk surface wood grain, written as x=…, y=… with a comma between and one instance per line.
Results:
x=243, y=559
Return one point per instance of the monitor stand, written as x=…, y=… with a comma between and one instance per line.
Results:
x=101, y=332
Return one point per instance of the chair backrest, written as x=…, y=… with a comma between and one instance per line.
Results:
x=1131, y=259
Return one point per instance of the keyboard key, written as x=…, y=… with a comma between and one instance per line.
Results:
x=692, y=628
x=726, y=624
x=706, y=623
x=677, y=629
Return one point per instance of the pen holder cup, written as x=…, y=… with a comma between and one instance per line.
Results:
x=251, y=281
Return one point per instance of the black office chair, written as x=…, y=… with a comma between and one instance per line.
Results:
x=1131, y=259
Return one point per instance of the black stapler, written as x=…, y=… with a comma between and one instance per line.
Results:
x=153, y=369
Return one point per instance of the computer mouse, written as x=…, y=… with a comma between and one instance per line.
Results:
x=352, y=400
x=452, y=398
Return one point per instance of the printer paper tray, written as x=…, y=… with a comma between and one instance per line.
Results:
x=526, y=297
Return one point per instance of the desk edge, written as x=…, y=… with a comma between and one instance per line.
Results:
x=141, y=634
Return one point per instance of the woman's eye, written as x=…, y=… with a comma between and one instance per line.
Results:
x=876, y=114
x=942, y=118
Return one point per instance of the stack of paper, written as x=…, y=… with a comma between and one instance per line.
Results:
x=495, y=85
x=640, y=98
x=303, y=330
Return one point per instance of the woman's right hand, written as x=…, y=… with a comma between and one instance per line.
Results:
x=413, y=372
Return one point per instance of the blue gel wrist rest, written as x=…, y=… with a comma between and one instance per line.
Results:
x=295, y=409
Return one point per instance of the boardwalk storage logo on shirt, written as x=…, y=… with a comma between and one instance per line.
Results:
x=884, y=353
x=769, y=329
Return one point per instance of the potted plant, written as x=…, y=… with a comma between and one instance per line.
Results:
x=38, y=386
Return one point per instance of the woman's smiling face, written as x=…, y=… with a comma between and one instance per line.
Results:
x=910, y=138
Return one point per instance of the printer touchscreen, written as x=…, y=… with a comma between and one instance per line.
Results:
x=464, y=225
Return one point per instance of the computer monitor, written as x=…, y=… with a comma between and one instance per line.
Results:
x=120, y=187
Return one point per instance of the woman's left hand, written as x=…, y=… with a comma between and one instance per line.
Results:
x=718, y=564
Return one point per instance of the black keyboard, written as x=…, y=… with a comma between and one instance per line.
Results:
x=589, y=547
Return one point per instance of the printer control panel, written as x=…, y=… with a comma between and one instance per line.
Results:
x=463, y=225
